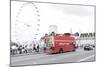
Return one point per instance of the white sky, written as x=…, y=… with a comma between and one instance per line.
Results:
x=66, y=17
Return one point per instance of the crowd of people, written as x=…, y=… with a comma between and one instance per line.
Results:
x=15, y=49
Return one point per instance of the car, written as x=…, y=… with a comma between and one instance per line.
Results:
x=88, y=48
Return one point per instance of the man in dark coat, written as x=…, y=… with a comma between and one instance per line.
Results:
x=38, y=49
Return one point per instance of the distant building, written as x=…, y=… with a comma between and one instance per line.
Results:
x=87, y=35
x=83, y=39
x=52, y=28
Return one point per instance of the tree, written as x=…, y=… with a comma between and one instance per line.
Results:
x=14, y=44
x=85, y=34
x=90, y=35
x=94, y=34
x=82, y=35
x=76, y=34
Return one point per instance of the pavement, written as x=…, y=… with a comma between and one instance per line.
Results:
x=31, y=53
x=42, y=58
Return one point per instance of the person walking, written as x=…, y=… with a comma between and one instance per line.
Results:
x=34, y=48
x=44, y=49
x=38, y=49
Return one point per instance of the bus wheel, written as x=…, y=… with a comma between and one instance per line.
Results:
x=74, y=50
x=61, y=50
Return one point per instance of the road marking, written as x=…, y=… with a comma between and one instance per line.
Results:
x=43, y=56
x=61, y=56
x=26, y=58
x=70, y=55
x=86, y=58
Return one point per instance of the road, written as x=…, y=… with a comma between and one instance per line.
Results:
x=77, y=56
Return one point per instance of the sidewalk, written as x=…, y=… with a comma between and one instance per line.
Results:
x=32, y=53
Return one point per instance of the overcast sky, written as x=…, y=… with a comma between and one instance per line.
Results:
x=66, y=17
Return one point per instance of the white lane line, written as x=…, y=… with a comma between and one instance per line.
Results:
x=27, y=58
x=86, y=58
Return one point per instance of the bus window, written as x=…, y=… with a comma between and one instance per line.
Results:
x=64, y=43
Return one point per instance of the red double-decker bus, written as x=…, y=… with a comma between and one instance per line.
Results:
x=62, y=43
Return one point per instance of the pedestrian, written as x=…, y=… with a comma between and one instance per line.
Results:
x=44, y=49
x=26, y=49
x=34, y=48
x=20, y=49
x=38, y=49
